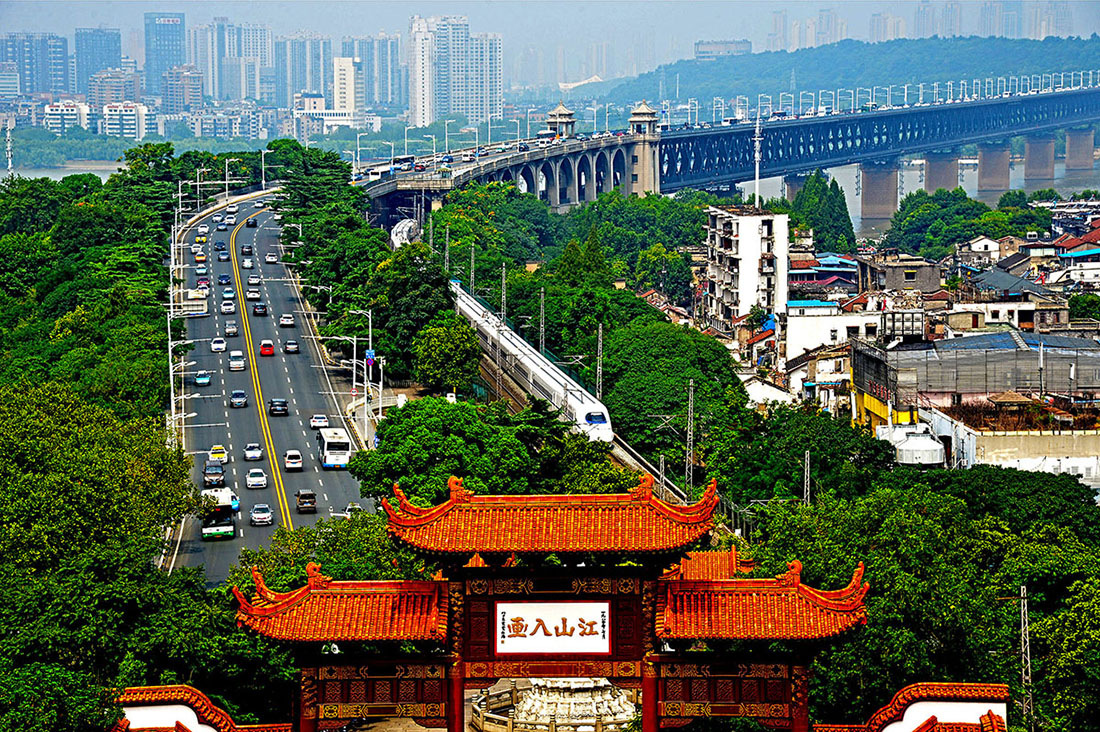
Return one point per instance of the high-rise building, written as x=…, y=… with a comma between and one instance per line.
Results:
x=9, y=80
x=240, y=78
x=452, y=71
x=96, y=49
x=826, y=31
x=181, y=90
x=1012, y=18
x=952, y=19
x=746, y=263
x=110, y=86
x=255, y=41
x=924, y=20
x=779, y=39
x=348, y=88
x=42, y=60
x=303, y=63
x=380, y=57
x=165, y=47
x=886, y=27
x=62, y=116
x=208, y=46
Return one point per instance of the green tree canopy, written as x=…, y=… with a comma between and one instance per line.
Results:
x=446, y=353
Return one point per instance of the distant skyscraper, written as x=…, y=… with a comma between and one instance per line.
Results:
x=989, y=19
x=778, y=39
x=452, y=71
x=826, y=31
x=42, y=60
x=380, y=58
x=303, y=63
x=96, y=49
x=113, y=85
x=924, y=20
x=952, y=19
x=1012, y=18
x=165, y=47
x=255, y=41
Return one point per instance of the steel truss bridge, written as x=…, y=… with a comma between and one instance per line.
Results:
x=701, y=158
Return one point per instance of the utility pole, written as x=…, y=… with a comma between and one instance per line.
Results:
x=806, y=479
x=447, y=249
x=599, y=362
x=8, y=136
x=503, y=294
x=756, y=140
x=472, y=269
x=661, y=475
x=690, y=436
x=542, y=320
x=431, y=234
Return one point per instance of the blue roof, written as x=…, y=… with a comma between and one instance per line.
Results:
x=1005, y=341
x=811, y=304
x=1084, y=253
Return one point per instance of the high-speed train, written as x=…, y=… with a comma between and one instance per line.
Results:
x=533, y=371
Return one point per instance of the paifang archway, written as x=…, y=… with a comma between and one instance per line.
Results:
x=497, y=610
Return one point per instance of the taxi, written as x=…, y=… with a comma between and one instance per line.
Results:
x=218, y=454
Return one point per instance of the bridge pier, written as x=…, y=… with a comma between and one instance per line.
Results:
x=941, y=170
x=880, y=189
x=993, y=166
x=1079, y=149
x=792, y=184
x=1039, y=157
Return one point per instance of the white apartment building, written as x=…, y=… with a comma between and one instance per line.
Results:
x=125, y=119
x=65, y=115
x=746, y=263
x=348, y=89
x=453, y=71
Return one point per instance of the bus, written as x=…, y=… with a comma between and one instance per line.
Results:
x=333, y=447
x=219, y=513
x=404, y=162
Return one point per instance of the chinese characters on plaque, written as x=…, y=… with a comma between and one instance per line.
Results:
x=553, y=627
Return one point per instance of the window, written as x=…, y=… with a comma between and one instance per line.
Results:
x=995, y=314
x=832, y=335
x=910, y=275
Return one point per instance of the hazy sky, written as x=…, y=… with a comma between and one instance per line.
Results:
x=674, y=24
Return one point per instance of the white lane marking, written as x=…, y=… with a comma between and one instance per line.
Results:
x=305, y=434
x=321, y=483
x=325, y=495
x=316, y=469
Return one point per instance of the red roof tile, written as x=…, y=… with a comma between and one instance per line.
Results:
x=328, y=610
x=187, y=696
x=711, y=566
x=759, y=609
x=760, y=336
x=622, y=522
x=975, y=694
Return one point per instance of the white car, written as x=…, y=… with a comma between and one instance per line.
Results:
x=246, y=263
x=256, y=478
x=271, y=258
x=232, y=208
x=217, y=218
x=252, y=295
x=286, y=320
x=292, y=460
x=217, y=345
x=228, y=307
x=278, y=217
x=259, y=204
x=236, y=360
x=254, y=279
x=253, y=451
x=204, y=229
x=230, y=220
x=196, y=248
x=318, y=421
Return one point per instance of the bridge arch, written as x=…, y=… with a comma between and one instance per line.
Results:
x=548, y=175
x=601, y=172
x=567, y=181
x=586, y=183
x=618, y=171
x=526, y=179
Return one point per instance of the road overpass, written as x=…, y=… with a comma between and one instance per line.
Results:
x=645, y=158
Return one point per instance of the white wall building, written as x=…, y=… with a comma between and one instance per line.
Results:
x=453, y=71
x=421, y=73
x=125, y=119
x=746, y=263
x=65, y=115
x=348, y=90
x=815, y=323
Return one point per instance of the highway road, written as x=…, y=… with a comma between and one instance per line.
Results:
x=299, y=378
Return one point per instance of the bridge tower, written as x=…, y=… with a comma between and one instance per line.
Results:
x=1039, y=156
x=643, y=123
x=941, y=170
x=1079, y=149
x=561, y=120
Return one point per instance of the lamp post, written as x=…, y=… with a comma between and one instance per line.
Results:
x=529, y=110
x=434, y=151
x=368, y=378
x=381, y=373
x=407, y=128
x=391, y=152
x=227, y=162
x=357, y=148
x=595, y=108
x=517, y=129
x=198, y=186
x=263, y=170
x=447, y=135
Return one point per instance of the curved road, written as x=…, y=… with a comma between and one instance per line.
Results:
x=299, y=378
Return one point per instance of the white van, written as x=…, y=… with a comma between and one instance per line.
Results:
x=236, y=360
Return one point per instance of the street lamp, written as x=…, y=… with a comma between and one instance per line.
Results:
x=529, y=110
x=434, y=152
x=198, y=186
x=447, y=135
x=227, y=162
x=370, y=348
x=594, y=108
x=517, y=128
x=407, y=128
x=263, y=169
x=357, y=148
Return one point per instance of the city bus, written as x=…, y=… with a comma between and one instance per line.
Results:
x=333, y=447
x=404, y=162
x=219, y=513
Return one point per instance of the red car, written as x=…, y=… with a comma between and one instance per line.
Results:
x=267, y=348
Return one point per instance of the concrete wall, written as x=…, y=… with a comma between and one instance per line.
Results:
x=807, y=332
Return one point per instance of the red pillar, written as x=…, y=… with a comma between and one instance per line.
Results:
x=800, y=699
x=456, y=698
x=651, y=721
x=307, y=701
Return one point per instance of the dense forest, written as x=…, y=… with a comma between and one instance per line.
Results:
x=849, y=64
